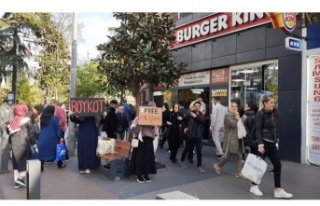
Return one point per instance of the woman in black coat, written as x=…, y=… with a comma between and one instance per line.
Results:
x=174, y=123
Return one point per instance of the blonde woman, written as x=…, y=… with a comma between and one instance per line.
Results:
x=267, y=130
x=232, y=145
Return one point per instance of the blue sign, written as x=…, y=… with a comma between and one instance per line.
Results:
x=293, y=44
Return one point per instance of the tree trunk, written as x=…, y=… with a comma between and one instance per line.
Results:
x=14, y=70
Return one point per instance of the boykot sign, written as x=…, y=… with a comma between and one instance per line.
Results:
x=215, y=25
x=150, y=116
x=87, y=106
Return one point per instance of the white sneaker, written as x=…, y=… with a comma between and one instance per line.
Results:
x=88, y=171
x=282, y=194
x=255, y=190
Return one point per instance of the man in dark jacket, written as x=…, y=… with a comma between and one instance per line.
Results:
x=192, y=124
x=111, y=120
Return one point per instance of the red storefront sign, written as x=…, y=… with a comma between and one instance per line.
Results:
x=220, y=76
x=215, y=25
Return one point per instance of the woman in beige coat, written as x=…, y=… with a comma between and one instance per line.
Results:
x=232, y=145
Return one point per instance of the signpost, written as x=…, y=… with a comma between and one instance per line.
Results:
x=293, y=44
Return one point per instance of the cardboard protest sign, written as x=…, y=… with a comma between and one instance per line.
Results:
x=150, y=116
x=87, y=106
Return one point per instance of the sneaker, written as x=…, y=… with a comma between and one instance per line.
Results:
x=82, y=171
x=201, y=171
x=255, y=190
x=141, y=180
x=217, y=169
x=20, y=182
x=87, y=171
x=16, y=186
x=182, y=165
x=282, y=194
x=147, y=179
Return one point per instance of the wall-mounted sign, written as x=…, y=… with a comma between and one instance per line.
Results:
x=219, y=93
x=197, y=91
x=314, y=109
x=285, y=21
x=217, y=24
x=293, y=43
x=220, y=76
x=194, y=79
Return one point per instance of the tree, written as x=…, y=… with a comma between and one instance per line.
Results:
x=87, y=77
x=24, y=90
x=64, y=25
x=139, y=53
x=53, y=59
x=13, y=51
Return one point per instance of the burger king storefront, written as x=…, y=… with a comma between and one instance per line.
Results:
x=238, y=56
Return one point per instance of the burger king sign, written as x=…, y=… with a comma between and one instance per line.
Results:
x=289, y=21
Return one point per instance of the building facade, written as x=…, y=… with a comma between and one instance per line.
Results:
x=239, y=56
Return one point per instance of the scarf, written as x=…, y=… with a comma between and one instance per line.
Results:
x=20, y=112
x=46, y=115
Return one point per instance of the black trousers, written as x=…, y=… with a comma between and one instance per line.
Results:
x=272, y=153
x=190, y=144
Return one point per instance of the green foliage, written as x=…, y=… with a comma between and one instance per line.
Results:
x=3, y=93
x=24, y=91
x=54, y=58
x=139, y=52
x=87, y=78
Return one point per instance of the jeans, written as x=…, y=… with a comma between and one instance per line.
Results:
x=217, y=136
x=120, y=135
x=190, y=144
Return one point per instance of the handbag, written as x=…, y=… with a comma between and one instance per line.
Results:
x=106, y=146
x=241, y=130
x=134, y=143
x=61, y=151
x=254, y=168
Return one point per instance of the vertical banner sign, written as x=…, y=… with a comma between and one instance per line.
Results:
x=314, y=109
x=87, y=106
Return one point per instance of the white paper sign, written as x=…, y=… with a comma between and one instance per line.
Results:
x=194, y=79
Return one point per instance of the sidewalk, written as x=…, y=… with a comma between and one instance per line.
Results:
x=67, y=183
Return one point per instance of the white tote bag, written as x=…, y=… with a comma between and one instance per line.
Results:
x=241, y=129
x=254, y=168
x=106, y=146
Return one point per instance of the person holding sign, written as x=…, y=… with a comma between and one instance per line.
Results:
x=142, y=161
x=87, y=141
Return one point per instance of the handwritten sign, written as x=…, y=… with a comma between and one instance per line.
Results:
x=150, y=116
x=87, y=106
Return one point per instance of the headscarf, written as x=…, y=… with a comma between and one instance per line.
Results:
x=46, y=116
x=20, y=111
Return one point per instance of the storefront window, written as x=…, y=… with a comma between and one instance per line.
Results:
x=247, y=84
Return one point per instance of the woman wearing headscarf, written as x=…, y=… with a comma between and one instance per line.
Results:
x=142, y=162
x=49, y=137
x=87, y=142
x=21, y=137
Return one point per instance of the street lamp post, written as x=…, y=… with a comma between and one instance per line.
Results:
x=73, y=77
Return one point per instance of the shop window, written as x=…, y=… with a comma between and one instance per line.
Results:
x=247, y=84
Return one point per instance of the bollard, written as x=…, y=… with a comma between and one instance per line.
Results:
x=33, y=179
x=4, y=153
x=175, y=195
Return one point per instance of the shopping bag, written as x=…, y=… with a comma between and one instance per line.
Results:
x=254, y=168
x=106, y=146
x=61, y=151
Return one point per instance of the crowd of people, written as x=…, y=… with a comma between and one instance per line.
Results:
x=40, y=130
